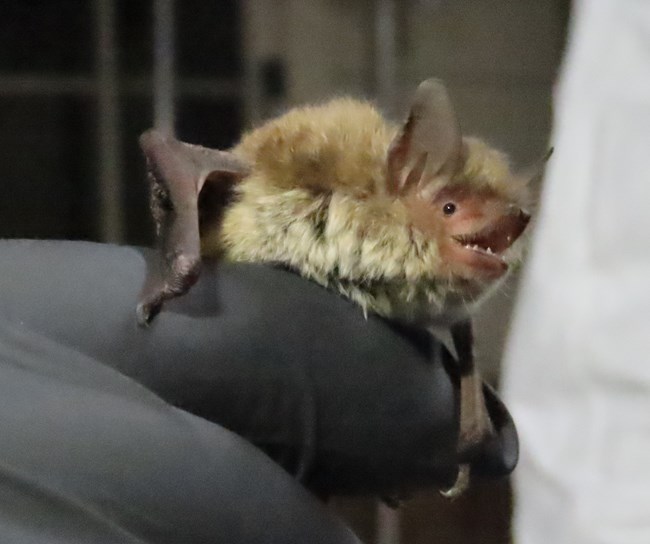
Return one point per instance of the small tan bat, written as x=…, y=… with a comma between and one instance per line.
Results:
x=415, y=223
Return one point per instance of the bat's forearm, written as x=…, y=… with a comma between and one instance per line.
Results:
x=463, y=336
x=475, y=424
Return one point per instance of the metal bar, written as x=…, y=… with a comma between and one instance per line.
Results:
x=210, y=87
x=45, y=85
x=36, y=84
x=110, y=164
x=163, y=65
x=251, y=94
x=386, y=53
x=388, y=519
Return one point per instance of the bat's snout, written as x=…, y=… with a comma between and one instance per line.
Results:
x=483, y=251
x=500, y=234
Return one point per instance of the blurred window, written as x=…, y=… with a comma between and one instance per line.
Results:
x=50, y=162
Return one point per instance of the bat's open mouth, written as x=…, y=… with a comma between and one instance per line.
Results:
x=484, y=250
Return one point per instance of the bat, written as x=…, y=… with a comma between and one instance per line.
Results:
x=415, y=223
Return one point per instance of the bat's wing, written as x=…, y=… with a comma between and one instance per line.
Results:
x=178, y=172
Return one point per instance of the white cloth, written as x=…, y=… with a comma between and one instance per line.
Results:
x=577, y=365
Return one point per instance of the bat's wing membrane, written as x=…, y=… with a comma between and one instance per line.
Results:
x=178, y=172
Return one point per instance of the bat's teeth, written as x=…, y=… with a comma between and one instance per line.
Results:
x=477, y=247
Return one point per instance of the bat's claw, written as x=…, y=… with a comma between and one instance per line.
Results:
x=146, y=311
x=180, y=274
x=460, y=485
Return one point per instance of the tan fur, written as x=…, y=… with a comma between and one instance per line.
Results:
x=316, y=202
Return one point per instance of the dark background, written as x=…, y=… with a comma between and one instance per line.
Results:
x=48, y=134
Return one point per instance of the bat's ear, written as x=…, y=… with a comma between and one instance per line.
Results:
x=429, y=143
x=534, y=174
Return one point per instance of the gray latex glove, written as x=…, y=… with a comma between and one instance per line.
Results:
x=93, y=439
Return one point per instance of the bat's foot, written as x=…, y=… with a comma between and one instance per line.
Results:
x=476, y=430
x=473, y=437
x=460, y=485
x=471, y=443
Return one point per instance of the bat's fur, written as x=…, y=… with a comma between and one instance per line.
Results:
x=316, y=201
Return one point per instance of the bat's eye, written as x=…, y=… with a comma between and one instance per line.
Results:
x=449, y=208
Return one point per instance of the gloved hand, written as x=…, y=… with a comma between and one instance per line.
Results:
x=348, y=405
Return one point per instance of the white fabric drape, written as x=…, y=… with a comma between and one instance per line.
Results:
x=577, y=366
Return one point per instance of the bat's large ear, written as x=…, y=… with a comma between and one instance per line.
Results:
x=429, y=144
x=534, y=174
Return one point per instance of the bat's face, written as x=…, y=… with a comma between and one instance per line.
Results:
x=475, y=229
x=458, y=191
